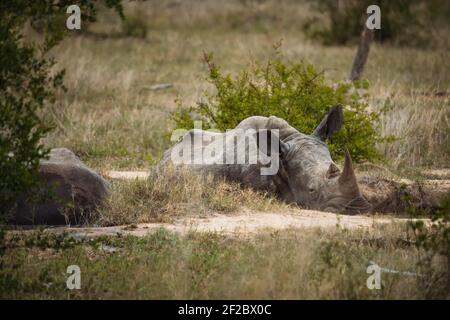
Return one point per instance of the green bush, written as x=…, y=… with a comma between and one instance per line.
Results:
x=296, y=93
x=404, y=22
x=432, y=242
x=25, y=86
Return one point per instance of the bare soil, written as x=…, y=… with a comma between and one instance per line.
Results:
x=244, y=224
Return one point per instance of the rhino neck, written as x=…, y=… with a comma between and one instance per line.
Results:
x=286, y=131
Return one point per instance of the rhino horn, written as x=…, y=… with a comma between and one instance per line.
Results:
x=348, y=179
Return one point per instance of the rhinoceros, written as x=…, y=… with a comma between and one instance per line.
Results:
x=305, y=173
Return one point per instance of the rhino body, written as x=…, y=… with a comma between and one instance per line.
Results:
x=305, y=173
x=77, y=191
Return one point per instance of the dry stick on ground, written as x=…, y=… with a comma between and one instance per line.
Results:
x=362, y=54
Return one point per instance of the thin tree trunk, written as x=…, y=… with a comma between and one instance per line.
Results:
x=361, y=55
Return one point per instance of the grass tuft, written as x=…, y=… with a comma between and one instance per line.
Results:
x=175, y=192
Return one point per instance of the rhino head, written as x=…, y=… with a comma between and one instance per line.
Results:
x=308, y=176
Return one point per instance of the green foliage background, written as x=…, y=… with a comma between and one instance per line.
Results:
x=403, y=22
x=297, y=93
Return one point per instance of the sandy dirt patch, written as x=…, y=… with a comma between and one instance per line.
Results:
x=246, y=223
x=437, y=173
x=128, y=175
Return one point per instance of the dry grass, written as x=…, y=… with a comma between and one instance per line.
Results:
x=421, y=125
x=174, y=192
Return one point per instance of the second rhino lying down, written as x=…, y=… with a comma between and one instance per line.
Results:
x=306, y=174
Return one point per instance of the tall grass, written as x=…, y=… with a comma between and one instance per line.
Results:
x=175, y=192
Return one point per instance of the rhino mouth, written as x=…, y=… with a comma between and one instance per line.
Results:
x=355, y=206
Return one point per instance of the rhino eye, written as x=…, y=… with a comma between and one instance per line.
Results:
x=311, y=190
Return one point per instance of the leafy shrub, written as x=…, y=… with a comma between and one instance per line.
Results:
x=433, y=242
x=296, y=93
x=25, y=86
x=405, y=22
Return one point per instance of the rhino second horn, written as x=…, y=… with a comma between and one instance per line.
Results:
x=333, y=171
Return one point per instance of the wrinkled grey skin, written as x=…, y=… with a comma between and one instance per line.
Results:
x=307, y=175
x=77, y=191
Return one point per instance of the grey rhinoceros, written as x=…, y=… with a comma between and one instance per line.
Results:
x=76, y=192
x=304, y=171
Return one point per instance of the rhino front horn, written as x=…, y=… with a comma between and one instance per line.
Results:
x=348, y=177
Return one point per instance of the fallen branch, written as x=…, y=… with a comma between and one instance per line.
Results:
x=157, y=87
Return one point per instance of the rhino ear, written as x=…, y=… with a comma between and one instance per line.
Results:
x=284, y=148
x=266, y=138
x=330, y=124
